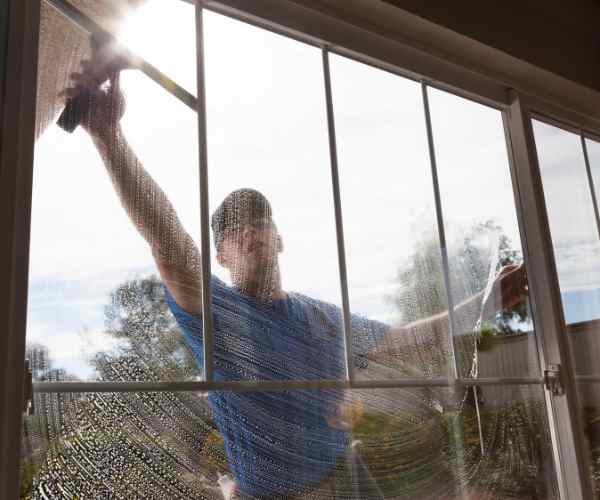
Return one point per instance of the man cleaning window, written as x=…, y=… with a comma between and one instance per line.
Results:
x=280, y=444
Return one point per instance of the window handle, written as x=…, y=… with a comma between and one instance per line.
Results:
x=28, y=405
x=553, y=381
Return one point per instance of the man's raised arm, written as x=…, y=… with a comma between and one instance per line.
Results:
x=148, y=207
x=508, y=289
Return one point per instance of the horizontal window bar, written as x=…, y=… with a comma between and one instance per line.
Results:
x=274, y=385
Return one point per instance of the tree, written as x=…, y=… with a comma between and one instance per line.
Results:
x=513, y=432
x=42, y=430
x=125, y=445
x=421, y=292
x=138, y=313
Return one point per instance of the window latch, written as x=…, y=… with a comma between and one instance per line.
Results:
x=28, y=408
x=553, y=380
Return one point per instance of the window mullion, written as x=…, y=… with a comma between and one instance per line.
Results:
x=441, y=231
x=207, y=323
x=457, y=430
x=335, y=181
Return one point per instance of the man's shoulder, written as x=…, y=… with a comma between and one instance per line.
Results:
x=323, y=317
x=311, y=303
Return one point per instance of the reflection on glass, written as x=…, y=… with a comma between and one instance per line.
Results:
x=392, y=248
x=394, y=444
x=94, y=292
x=493, y=336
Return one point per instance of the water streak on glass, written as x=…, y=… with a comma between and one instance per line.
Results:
x=400, y=445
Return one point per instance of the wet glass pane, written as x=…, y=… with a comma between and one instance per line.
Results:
x=98, y=309
x=94, y=289
x=392, y=247
x=493, y=330
x=374, y=444
x=275, y=285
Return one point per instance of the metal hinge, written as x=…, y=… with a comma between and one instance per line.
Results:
x=552, y=380
x=28, y=407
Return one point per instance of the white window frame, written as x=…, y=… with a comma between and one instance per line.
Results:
x=331, y=35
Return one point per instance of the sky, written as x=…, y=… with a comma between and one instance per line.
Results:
x=571, y=216
x=267, y=130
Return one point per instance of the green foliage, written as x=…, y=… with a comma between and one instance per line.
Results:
x=138, y=313
x=29, y=470
x=404, y=455
x=421, y=291
x=487, y=337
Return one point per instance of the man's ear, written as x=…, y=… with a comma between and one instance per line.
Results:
x=279, y=243
x=221, y=259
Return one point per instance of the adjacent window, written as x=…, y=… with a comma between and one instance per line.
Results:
x=569, y=165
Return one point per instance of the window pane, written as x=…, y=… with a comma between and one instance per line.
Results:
x=392, y=246
x=276, y=295
x=577, y=257
x=378, y=444
x=573, y=228
x=493, y=338
x=94, y=291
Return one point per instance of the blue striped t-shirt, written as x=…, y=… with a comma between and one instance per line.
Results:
x=277, y=443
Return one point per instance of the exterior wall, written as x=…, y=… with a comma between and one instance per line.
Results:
x=514, y=356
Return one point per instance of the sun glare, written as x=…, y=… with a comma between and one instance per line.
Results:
x=162, y=32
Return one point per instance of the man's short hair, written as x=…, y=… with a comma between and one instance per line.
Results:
x=240, y=208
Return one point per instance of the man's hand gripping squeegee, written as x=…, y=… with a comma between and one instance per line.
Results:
x=109, y=61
